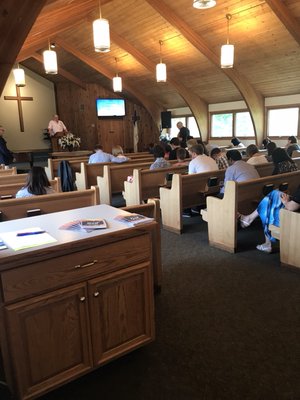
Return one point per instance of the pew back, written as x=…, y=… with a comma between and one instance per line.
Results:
x=49, y=203
x=12, y=188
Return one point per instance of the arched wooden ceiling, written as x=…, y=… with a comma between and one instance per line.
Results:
x=266, y=34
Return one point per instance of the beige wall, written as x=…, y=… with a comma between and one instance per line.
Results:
x=36, y=113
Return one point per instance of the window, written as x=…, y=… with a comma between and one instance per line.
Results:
x=193, y=127
x=283, y=121
x=231, y=124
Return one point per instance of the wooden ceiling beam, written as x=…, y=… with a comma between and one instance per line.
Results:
x=17, y=19
x=198, y=106
x=286, y=17
x=62, y=72
x=153, y=108
x=253, y=99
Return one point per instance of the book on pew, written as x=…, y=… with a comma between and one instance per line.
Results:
x=87, y=225
x=133, y=219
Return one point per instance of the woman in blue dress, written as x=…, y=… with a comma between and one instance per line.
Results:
x=269, y=212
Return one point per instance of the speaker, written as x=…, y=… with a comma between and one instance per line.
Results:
x=165, y=119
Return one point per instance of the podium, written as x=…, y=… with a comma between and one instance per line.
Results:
x=54, y=141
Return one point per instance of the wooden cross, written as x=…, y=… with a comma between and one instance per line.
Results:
x=19, y=99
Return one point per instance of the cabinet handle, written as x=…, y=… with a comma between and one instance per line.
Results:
x=82, y=298
x=96, y=294
x=86, y=265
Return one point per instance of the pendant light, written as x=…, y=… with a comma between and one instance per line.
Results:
x=19, y=75
x=101, y=34
x=203, y=4
x=227, y=50
x=161, y=68
x=117, y=80
x=50, y=61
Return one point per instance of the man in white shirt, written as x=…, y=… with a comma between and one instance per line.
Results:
x=200, y=162
x=56, y=129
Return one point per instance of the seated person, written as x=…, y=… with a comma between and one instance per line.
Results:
x=268, y=211
x=270, y=148
x=117, y=151
x=37, y=184
x=181, y=156
x=282, y=162
x=292, y=145
x=265, y=143
x=101, y=157
x=254, y=155
x=200, y=141
x=200, y=162
x=236, y=142
x=220, y=158
x=238, y=169
x=175, y=145
x=167, y=150
x=160, y=161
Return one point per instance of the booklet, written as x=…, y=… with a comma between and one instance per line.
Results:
x=133, y=219
x=87, y=225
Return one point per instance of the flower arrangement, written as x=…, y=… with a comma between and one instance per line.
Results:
x=69, y=141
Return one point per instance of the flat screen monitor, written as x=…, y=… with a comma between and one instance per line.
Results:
x=110, y=108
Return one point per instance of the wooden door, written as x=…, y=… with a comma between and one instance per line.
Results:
x=49, y=339
x=121, y=312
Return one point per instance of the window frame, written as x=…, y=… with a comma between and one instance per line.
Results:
x=233, y=112
x=268, y=108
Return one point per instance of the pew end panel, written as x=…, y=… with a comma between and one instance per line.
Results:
x=289, y=238
x=221, y=216
x=171, y=205
x=81, y=177
x=132, y=190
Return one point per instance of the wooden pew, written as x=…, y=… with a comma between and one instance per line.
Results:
x=52, y=167
x=146, y=183
x=9, y=171
x=242, y=197
x=10, y=179
x=288, y=234
x=267, y=168
x=12, y=188
x=89, y=172
x=186, y=191
x=49, y=203
x=152, y=209
x=112, y=179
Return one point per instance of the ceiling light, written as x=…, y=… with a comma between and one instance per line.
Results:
x=203, y=4
x=50, y=61
x=117, y=80
x=227, y=50
x=161, y=68
x=19, y=75
x=101, y=34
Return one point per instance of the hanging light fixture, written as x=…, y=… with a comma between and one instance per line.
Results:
x=117, y=80
x=227, y=50
x=203, y=4
x=101, y=34
x=19, y=75
x=50, y=60
x=161, y=68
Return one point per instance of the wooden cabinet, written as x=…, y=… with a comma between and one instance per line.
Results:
x=67, y=315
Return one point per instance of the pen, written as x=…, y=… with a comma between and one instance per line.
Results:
x=30, y=233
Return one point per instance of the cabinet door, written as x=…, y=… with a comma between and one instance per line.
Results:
x=49, y=339
x=121, y=312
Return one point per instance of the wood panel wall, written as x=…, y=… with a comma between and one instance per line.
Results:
x=77, y=108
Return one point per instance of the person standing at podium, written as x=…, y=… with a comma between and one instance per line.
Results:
x=56, y=129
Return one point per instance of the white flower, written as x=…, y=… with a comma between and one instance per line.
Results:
x=69, y=140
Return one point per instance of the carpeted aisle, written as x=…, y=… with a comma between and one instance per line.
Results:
x=227, y=328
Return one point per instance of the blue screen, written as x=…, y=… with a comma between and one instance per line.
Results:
x=110, y=107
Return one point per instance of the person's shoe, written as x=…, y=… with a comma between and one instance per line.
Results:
x=195, y=211
x=266, y=248
x=187, y=214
